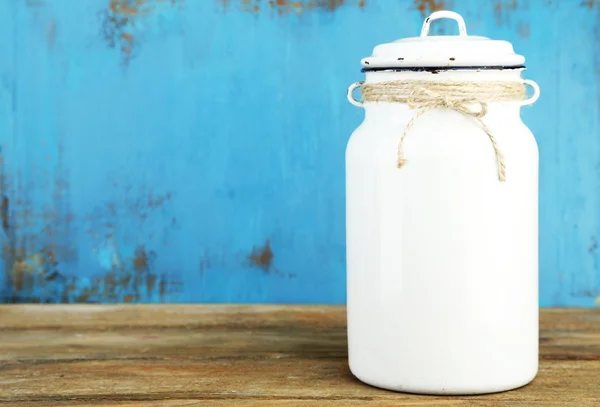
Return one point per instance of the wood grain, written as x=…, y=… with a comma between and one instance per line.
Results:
x=220, y=355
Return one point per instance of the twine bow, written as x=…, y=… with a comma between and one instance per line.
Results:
x=469, y=98
x=427, y=100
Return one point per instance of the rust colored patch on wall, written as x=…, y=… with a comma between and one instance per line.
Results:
x=24, y=272
x=284, y=7
x=163, y=288
x=503, y=9
x=262, y=257
x=136, y=7
x=157, y=201
x=140, y=260
x=120, y=19
x=126, y=44
x=128, y=7
x=524, y=30
x=30, y=243
x=35, y=3
x=124, y=283
x=509, y=5
x=51, y=33
x=42, y=14
x=36, y=243
x=590, y=3
x=426, y=7
x=204, y=264
x=593, y=245
x=4, y=211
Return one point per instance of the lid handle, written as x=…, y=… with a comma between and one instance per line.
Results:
x=462, y=28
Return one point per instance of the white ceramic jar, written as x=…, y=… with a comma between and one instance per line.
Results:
x=442, y=253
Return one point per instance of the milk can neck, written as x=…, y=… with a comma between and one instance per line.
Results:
x=427, y=84
x=456, y=74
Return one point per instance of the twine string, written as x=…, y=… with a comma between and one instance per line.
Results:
x=468, y=98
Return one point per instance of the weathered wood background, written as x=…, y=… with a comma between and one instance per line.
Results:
x=183, y=150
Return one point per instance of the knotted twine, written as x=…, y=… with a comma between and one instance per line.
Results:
x=468, y=98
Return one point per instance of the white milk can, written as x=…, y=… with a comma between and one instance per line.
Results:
x=442, y=218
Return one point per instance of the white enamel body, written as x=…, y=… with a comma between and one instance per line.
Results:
x=442, y=257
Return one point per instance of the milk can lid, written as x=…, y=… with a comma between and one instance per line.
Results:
x=429, y=52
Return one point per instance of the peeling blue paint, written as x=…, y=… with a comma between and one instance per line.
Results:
x=197, y=135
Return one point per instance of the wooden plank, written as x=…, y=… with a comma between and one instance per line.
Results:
x=129, y=315
x=222, y=355
x=264, y=378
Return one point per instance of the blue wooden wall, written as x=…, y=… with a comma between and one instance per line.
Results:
x=193, y=150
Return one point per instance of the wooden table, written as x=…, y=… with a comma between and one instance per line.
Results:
x=215, y=355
